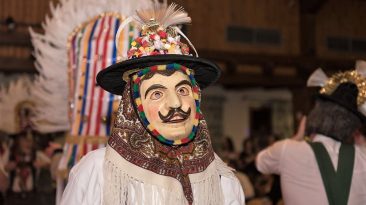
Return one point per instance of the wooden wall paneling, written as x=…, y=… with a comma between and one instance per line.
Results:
x=340, y=19
x=268, y=14
x=212, y=17
x=218, y=18
x=16, y=52
x=17, y=65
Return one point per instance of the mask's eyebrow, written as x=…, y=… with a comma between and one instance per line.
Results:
x=153, y=87
x=184, y=82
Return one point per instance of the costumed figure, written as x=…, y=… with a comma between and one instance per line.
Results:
x=159, y=151
x=325, y=169
x=18, y=159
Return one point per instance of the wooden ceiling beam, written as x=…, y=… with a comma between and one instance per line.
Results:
x=17, y=65
x=243, y=80
x=15, y=39
x=303, y=62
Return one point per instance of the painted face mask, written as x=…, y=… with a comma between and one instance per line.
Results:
x=167, y=100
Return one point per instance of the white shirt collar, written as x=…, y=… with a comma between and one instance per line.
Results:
x=330, y=144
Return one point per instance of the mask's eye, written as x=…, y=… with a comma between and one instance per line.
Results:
x=183, y=91
x=156, y=95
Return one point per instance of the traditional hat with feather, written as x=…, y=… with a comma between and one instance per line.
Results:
x=159, y=44
x=347, y=89
x=140, y=158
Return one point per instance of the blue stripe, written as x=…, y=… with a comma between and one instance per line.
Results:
x=73, y=156
x=111, y=96
x=87, y=76
x=76, y=48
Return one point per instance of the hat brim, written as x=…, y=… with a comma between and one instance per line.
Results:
x=110, y=79
x=338, y=102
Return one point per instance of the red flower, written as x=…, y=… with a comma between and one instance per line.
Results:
x=139, y=40
x=145, y=44
x=152, y=36
x=154, y=53
x=162, y=34
x=131, y=52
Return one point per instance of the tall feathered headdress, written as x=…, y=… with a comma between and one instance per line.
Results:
x=51, y=53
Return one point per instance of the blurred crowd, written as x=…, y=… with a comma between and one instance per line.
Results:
x=259, y=189
x=263, y=189
x=28, y=166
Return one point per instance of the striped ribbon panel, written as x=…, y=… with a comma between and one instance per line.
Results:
x=91, y=48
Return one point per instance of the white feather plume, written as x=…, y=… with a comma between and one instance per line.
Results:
x=317, y=78
x=51, y=86
x=164, y=15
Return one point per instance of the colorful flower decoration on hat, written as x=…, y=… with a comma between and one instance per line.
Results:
x=157, y=42
x=140, y=109
x=159, y=33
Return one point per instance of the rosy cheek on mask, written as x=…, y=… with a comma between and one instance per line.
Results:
x=152, y=112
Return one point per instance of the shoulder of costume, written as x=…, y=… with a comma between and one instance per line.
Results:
x=91, y=161
x=223, y=169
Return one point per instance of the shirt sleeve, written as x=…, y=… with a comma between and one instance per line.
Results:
x=232, y=190
x=85, y=184
x=74, y=191
x=268, y=161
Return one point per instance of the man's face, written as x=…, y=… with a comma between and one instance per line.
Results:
x=169, y=104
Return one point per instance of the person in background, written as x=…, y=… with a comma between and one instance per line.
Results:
x=326, y=170
x=45, y=183
x=247, y=156
x=244, y=180
x=4, y=155
x=21, y=170
x=228, y=150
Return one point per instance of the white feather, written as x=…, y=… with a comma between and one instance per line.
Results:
x=164, y=15
x=361, y=67
x=362, y=109
x=317, y=78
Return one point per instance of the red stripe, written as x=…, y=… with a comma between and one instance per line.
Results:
x=137, y=81
x=140, y=108
x=101, y=92
x=195, y=89
x=185, y=140
x=72, y=57
x=92, y=80
x=155, y=132
x=197, y=115
x=154, y=68
x=85, y=150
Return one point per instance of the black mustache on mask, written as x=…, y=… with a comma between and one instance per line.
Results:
x=173, y=113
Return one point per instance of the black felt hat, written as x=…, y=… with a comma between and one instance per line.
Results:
x=111, y=78
x=345, y=95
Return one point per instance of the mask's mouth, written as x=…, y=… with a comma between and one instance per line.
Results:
x=176, y=115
